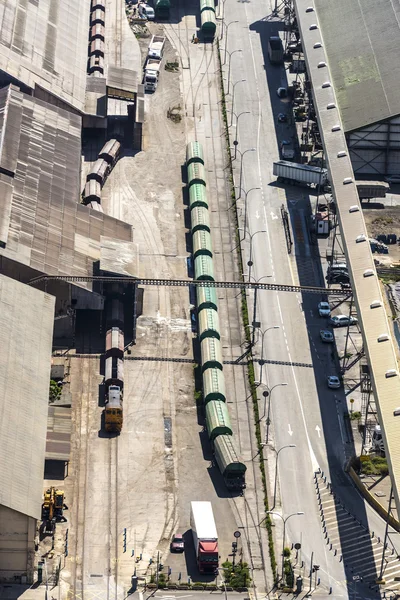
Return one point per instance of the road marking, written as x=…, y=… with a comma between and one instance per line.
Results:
x=318, y=430
x=290, y=432
x=273, y=215
x=257, y=215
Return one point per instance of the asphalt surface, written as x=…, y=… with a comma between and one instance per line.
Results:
x=304, y=413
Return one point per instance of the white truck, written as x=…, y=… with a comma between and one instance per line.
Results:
x=295, y=173
x=205, y=536
x=151, y=74
x=156, y=47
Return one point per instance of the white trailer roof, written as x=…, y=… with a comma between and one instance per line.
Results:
x=204, y=520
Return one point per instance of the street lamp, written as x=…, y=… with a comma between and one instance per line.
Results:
x=233, y=96
x=241, y=168
x=277, y=452
x=236, y=141
x=271, y=512
x=269, y=408
x=226, y=35
x=250, y=261
x=229, y=67
x=261, y=361
x=255, y=302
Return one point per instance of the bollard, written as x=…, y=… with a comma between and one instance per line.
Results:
x=335, y=552
x=379, y=540
x=326, y=534
x=372, y=534
x=341, y=558
x=324, y=479
x=322, y=473
x=330, y=547
x=319, y=581
x=330, y=590
x=133, y=553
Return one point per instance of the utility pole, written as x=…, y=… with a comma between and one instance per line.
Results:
x=311, y=572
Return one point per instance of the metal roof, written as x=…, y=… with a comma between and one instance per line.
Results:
x=375, y=328
x=26, y=334
x=59, y=426
x=362, y=43
x=42, y=224
x=122, y=79
x=45, y=44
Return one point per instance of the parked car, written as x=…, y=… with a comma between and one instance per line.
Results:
x=343, y=321
x=326, y=336
x=146, y=11
x=177, y=544
x=338, y=277
x=333, y=382
x=324, y=309
x=282, y=118
x=342, y=267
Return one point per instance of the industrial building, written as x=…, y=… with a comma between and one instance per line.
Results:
x=362, y=43
x=26, y=332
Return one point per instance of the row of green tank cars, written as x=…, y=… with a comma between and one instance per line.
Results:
x=218, y=423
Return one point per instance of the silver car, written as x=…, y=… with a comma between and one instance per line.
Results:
x=333, y=382
x=324, y=309
x=326, y=336
x=343, y=321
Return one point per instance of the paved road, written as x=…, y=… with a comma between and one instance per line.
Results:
x=304, y=412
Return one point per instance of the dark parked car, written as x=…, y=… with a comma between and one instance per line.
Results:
x=177, y=544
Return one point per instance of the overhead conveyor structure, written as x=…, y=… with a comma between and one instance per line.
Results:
x=373, y=320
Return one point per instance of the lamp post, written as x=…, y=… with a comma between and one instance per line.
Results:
x=250, y=261
x=236, y=141
x=229, y=67
x=271, y=512
x=226, y=35
x=241, y=168
x=277, y=452
x=261, y=361
x=255, y=304
x=233, y=96
x=269, y=409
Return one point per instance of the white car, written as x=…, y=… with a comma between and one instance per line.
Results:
x=343, y=321
x=324, y=309
x=326, y=336
x=333, y=382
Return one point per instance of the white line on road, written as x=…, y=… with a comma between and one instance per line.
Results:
x=290, y=431
x=318, y=430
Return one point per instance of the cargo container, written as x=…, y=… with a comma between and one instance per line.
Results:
x=197, y=196
x=202, y=243
x=114, y=372
x=290, y=172
x=206, y=298
x=232, y=468
x=211, y=354
x=205, y=536
x=92, y=191
x=200, y=219
x=204, y=268
x=213, y=385
x=114, y=342
x=208, y=24
x=196, y=173
x=372, y=189
x=209, y=324
x=217, y=419
x=156, y=47
x=194, y=153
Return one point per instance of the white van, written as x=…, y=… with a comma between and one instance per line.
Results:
x=146, y=11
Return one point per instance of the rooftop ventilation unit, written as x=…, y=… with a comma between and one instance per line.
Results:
x=361, y=238
x=369, y=273
x=391, y=373
x=321, y=64
x=312, y=27
x=317, y=45
x=383, y=337
x=354, y=208
x=376, y=304
x=336, y=128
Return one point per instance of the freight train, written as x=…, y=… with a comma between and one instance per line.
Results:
x=96, y=38
x=114, y=364
x=218, y=423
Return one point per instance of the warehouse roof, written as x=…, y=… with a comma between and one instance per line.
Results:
x=45, y=44
x=42, y=225
x=362, y=43
x=26, y=333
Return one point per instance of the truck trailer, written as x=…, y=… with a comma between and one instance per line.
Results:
x=275, y=50
x=156, y=47
x=151, y=74
x=205, y=537
x=295, y=173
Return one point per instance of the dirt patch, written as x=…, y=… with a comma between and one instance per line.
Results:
x=383, y=221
